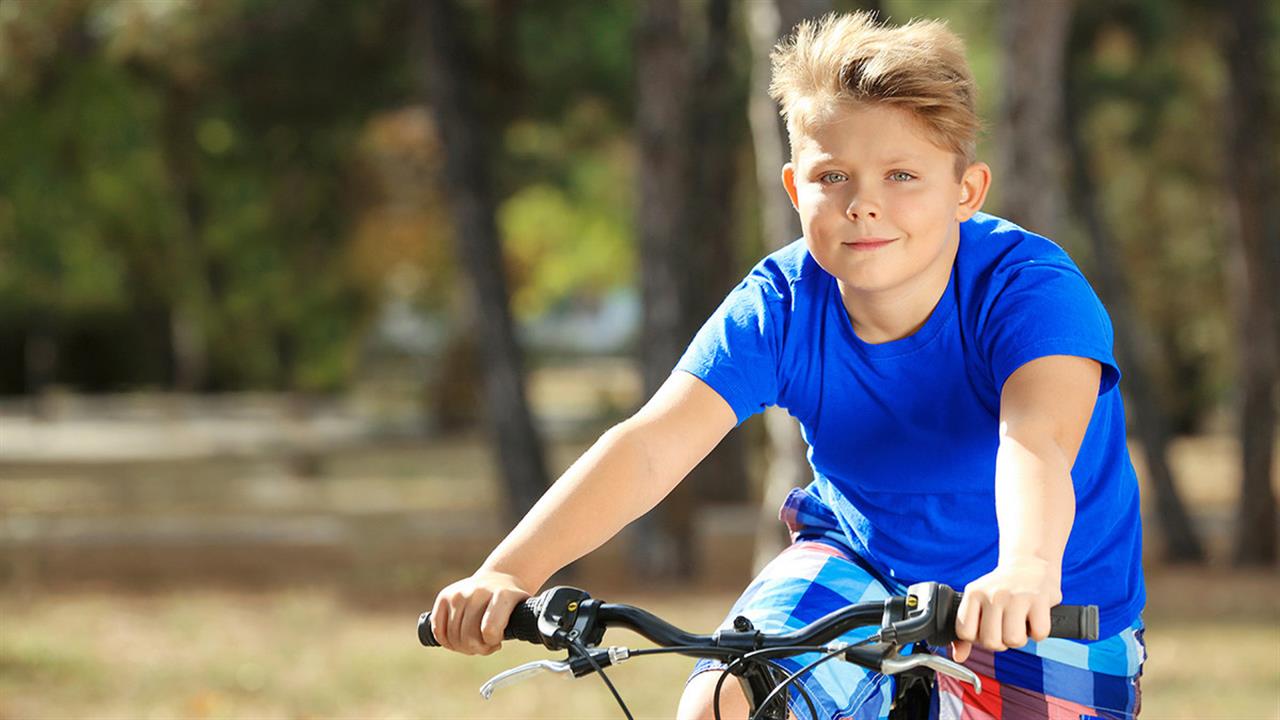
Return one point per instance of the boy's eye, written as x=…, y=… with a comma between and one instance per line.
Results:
x=831, y=177
x=900, y=176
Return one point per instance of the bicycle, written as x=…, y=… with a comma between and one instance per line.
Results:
x=567, y=618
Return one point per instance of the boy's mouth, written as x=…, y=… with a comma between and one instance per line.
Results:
x=868, y=243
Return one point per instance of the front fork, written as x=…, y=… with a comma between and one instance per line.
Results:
x=758, y=680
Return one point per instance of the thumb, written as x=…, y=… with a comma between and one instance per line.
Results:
x=960, y=650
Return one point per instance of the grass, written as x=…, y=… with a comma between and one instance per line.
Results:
x=341, y=649
x=1214, y=644
x=294, y=654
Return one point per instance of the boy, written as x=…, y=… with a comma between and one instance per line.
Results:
x=953, y=377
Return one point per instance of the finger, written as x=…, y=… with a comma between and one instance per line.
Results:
x=967, y=618
x=1015, y=622
x=1039, y=621
x=991, y=626
x=456, y=606
x=960, y=650
x=440, y=621
x=470, y=625
x=496, y=616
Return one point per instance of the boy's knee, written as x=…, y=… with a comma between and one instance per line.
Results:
x=698, y=700
x=699, y=697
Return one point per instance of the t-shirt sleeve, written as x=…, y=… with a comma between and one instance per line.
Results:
x=737, y=350
x=1048, y=309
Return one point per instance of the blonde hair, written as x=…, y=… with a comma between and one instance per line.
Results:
x=919, y=67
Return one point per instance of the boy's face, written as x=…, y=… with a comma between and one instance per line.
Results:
x=879, y=203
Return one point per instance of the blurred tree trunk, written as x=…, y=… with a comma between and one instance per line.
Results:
x=40, y=364
x=663, y=539
x=786, y=466
x=722, y=476
x=1252, y=270
x=1033, y=41
x=449, y=81
x=189, y=288
x=189, y=297
x=1135, y=349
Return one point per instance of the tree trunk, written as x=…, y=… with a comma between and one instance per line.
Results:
x=712, y=271
x=1033, y=39
x=786, y=465
x=40, y=365
x=1251, y=268
x=663, y=539
x=466, y=163
x=189, y=297
x=1134, y=348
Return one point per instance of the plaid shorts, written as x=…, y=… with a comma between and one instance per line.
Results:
x=819, y=573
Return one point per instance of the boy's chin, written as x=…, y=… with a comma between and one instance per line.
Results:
x=865, y=283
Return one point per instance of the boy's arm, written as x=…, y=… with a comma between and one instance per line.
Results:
x=1045, y=408
x=628, y=470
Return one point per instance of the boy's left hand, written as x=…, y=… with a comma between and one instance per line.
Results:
x=1001, y=609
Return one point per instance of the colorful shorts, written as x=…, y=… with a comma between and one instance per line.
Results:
x=818, y=573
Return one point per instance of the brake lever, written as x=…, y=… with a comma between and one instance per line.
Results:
x=524, y=672
x=896, y=663
x=575, y=666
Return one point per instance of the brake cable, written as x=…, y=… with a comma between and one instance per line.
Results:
x=795, y=675
x=582, y=650
x=752, y=657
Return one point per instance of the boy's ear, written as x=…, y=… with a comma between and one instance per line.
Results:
x=974, y=185
x=789, y=182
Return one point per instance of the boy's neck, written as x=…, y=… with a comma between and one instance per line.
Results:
x=881, y=316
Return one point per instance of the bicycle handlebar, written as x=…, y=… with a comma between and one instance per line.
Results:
x=562, y=615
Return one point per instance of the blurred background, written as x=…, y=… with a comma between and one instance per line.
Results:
x=303, y=303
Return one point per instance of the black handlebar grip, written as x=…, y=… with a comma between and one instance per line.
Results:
x=1077, y=622
x=523, y=625
x=1072, y=622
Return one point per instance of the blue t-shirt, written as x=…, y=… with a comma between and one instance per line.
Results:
x=903, y=435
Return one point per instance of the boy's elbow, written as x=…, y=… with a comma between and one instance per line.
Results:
x=1040, y=437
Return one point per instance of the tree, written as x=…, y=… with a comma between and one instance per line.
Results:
x=466, y=163
x=687, y=144
x=1252, y=268
x=1134, y=347
x=1033, y=42
x=711, y=272
x=786, y=466
x=664, y=542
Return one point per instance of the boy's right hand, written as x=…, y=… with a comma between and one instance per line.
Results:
x=470, y=615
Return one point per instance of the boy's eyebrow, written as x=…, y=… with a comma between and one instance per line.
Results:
x=898, y=160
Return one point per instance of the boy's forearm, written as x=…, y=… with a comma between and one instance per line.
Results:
x=1035, y=500
x=619, y=479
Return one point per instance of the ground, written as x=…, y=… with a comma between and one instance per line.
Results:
x=1214, y=641
x=158, y=570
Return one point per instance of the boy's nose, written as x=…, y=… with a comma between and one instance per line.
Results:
x=860, y=209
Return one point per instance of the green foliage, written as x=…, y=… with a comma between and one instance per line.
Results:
x=571, y=240
x=1152, y=83
x=263, y=172
x=193, y=157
